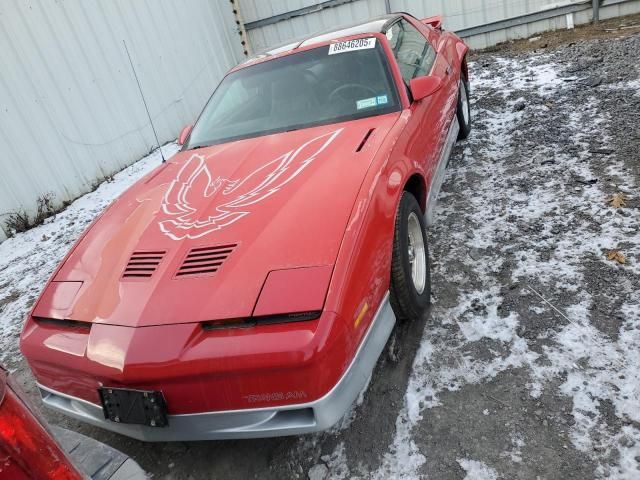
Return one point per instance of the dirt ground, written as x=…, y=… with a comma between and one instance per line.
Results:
x=527, y=365
x=621, y=27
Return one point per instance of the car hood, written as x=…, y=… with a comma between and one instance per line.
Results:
x=195, y=239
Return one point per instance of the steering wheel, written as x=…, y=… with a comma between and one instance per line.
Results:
x=337, y=92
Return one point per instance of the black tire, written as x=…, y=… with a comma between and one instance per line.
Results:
x=407, y=302
x=465, y=125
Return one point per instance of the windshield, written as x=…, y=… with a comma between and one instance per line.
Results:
x=334, y=83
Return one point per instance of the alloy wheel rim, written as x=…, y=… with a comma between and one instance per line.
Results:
x=417, y=253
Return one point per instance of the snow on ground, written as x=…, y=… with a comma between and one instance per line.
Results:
x=404, y=460
x=28, y=259
x=477, y=470
x=633, y=85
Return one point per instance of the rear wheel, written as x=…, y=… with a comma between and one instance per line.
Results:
x=464, y=110
x=410, y=273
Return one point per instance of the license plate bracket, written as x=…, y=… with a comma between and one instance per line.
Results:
x=141, y=407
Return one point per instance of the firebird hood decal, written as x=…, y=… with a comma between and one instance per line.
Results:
x=285, y=200
x=195, y=181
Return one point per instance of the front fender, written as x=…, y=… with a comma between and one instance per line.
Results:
x=361, y=274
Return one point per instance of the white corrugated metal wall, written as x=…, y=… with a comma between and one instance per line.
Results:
x=458, y=15
x=70, y=110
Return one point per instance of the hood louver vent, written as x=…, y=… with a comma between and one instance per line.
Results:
x=364, y=140
x=204, y=260
x=142, y=264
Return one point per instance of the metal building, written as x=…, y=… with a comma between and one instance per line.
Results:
x=481, y=22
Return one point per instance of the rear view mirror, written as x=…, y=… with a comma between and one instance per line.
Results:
x=184, y=134
x=423, y=87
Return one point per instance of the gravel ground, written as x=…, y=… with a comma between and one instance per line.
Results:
x=527, y=365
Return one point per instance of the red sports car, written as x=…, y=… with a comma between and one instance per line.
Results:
x=246, y=287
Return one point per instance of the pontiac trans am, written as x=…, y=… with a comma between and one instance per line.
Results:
x=246, y=287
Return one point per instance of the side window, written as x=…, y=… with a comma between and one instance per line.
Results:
x=414, y=54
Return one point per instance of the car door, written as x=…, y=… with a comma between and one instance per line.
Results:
x=417, y=56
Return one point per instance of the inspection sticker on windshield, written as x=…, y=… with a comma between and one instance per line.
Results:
x=351, y=45
x=372, y=102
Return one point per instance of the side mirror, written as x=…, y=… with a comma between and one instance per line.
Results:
x=184, y=134
x=435, y=22
x=423, y=87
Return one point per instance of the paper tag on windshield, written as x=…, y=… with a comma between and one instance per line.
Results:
x=351, y=45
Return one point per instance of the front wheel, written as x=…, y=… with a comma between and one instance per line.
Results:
x=410, y=273
x=464, y=110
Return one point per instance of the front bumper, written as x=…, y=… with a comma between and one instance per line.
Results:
x=251, y=423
